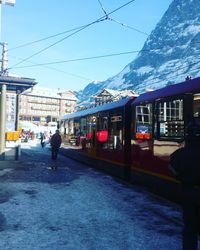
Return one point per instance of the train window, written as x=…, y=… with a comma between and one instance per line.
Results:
x=115, y=139
x=196, y=106
x=170, y=119
x=170, y=111
x=77, y=127
x=144, y=121
x=103, y=122
x=83, y=126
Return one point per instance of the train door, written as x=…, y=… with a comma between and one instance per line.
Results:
x=91, y=134
x=67, y=130
x=102, y=131
x=142, y=136
x=110, y=136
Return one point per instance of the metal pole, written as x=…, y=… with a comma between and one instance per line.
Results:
x=2, y=120
x=0, y=21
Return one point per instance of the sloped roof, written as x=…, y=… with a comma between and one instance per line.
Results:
x=109, y=92
x=18, y=84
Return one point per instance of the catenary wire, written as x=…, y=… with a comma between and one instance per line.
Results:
x=102, y=7
x=120, y=23
x=45, y=38
x=67, y=31
x=176, y=69
x=103, y=18
x=127, y=26
x=92, y=57
x=62, y=71
x=78, y=59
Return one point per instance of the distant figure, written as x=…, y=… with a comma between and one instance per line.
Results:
x=55, y=144
x=185, y=165
x=188, y=78
x=42, y=139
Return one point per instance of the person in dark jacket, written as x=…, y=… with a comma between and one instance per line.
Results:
x=185, y=163
x=55, y=144
x=42, y=139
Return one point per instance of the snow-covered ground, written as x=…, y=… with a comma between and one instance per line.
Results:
x=76, y=207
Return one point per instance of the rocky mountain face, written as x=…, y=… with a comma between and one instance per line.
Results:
x=170, y=53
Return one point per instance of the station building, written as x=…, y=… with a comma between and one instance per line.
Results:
x=43, y=106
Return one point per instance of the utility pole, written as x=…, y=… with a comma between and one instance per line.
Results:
x=4, y=61
x=3, y=88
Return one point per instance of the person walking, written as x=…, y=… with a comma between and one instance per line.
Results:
x=42, y=139
x=55, y=144
x=185, y=164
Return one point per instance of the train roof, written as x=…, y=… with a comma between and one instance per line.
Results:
x=188, y=86
x=105, y=107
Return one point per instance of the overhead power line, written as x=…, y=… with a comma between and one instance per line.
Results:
x=78, y=59
x=120, y=23
x=62, y=71
x=45, y=38
x=103, y=18
x=102, y=7
x=127, y=26
x=93, y=57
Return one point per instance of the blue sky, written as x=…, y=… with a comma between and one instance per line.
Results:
x=32, y=20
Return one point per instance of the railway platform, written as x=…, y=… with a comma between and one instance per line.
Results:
x=76, y=207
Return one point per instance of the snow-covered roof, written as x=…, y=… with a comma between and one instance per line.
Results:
x=112, y=91
x=52, y=93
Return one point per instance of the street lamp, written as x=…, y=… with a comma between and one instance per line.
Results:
x=6, y=2
x=4, y=45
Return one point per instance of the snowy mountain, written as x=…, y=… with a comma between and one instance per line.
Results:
x=170, y=53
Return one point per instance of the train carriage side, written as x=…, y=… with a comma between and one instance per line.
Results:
x=113, y=143
x=158, y=129
x=103, y=133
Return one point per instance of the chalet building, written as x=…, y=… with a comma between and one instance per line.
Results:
x=110, y=95
x=44, y=105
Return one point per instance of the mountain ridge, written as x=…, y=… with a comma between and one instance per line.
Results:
x=169, y=54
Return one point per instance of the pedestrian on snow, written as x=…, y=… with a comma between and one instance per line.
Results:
x=55, y=144
x=42, y=139
x=185, y=164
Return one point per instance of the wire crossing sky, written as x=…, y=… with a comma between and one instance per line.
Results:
x=83, y=36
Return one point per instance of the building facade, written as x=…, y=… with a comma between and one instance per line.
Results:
x=43, y=105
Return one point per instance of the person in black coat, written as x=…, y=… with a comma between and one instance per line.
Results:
x=185, y=163
x=42, y=139
x=55, y=144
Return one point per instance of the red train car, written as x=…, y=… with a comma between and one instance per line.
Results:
x=103, y=133
x=158, y=129
x=137, y=135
